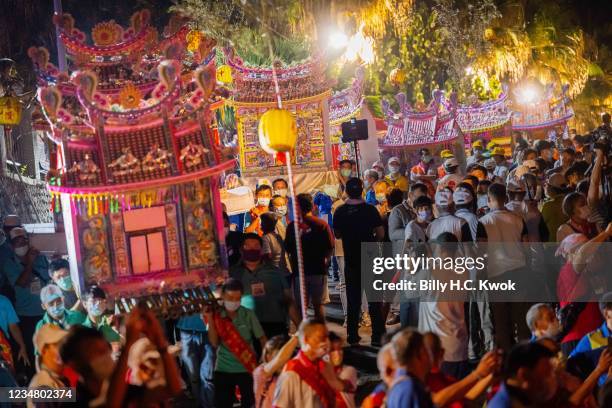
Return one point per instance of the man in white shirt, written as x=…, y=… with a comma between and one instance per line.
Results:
x=446, y=221
x=506, y=232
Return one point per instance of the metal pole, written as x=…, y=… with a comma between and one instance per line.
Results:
x=61, y=50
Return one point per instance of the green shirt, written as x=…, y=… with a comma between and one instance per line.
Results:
x=552, y=214
x=264, y=291
x=249, y=328
x=107, y=331
x=71, y=318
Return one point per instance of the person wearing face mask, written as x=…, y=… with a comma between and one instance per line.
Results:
x=263, y=195
x=51, y=297
x=50, y=366
x=542, y=321
x=370, y=177
x=477, y=150
x=452, y=175
x=273, y=248
x=345, y=170
x=482, y=205
x=575, y=207
x=343, y=371
x=379, y=168
x=59, y=269
x=85, y=351
x=447, y=221
x=27, y=270
x=279, y=206
x=274, y=356
x=421, y=171
x=95, y=305
x=232, y=331
x=308, y=380
x=266, y=290
x=500, y=173
x=381, y=188
x=529, y=378
x=281, y=188
x=395, y=178
x=445, y=154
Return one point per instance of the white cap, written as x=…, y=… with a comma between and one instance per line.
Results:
x=48, y=334
x=18, y=232
x=462, y=196
x=490, y=164
x=452, y=162
x=393, y=159
x=49, y=293
x=12, y=220
x=444, y=198
x=378, y=163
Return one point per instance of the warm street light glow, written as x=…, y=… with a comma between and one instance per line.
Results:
x=527, y=94
x=360, y=46
x=338, y=40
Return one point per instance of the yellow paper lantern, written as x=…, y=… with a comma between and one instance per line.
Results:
x=277, y=131
x=397, y=76
x=10, y=111
x=224, y=74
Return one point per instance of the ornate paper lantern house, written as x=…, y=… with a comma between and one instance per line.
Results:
x=137, y=178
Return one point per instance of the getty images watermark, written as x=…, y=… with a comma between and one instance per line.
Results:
x=503, y=272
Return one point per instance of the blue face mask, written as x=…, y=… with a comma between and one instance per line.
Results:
x=57, y=311
x=65, y=283
x=96, y=309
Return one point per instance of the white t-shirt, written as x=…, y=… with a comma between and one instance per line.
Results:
x=447, y=320
x=274, y=246
x=471, y=219
x=414, y=233
x=292, y=392
x=505, y=227
x=445, y=223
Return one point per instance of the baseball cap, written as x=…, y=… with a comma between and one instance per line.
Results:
x=50, y=293
x=498, y=151
x=446, y=154
x=452, y=162
x=557, y=180
x=462, y=196
x=11, y=221
x=378, y=163
x=17, y=232
x=444, y=198
x=477, y=143
x=48, y=334
x=491, y=145
x=393, y=159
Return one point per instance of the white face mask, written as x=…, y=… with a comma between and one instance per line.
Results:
x=282, y=210
x=424, y=216
x=231, y=306
x=281, y=192
x=394, y=169
x=553, y=330
x=263, y=201
x=22, y=250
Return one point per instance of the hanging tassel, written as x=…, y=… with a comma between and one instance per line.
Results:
x=89, y=206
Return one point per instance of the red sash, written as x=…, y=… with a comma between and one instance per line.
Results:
x=310, y=373
x=234, y=342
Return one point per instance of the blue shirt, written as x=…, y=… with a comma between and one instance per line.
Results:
x=191, y=323
x=408, y=392
x=501, y=399
x=370, y=197
x=7, y=315
x=591, y=346
x=27, y=299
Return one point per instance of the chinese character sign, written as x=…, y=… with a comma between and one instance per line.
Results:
x=10, y=111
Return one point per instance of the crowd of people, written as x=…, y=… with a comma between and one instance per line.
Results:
x=253, y=347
